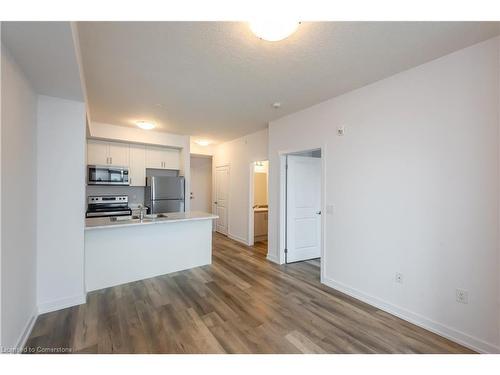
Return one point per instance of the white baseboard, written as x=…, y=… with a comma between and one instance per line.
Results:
x=238, y=239
x=63, y=303
x=414, y=318
x=273, y=258
x=21, y=342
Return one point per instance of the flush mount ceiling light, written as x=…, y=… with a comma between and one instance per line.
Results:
x=273, y=31
x=202, y=142
x=145, y=125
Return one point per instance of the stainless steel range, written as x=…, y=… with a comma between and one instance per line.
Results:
x=108, y=205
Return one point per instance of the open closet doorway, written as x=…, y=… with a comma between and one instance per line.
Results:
x=303, y=192
x=258, y=210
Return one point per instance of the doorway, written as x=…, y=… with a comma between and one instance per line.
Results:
x=302, y=204
x=201, y=183
x=258, y=207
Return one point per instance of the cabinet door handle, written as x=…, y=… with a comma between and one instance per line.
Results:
x=110, y=160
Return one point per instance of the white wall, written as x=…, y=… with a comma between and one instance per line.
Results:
x=18, y=224
x=201, y=183
x=208, y=150
x=239, y=154
x=414, y=185
x=60, y=202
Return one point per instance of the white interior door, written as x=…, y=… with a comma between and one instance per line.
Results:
x=221, y=198
x=303, y=219
x=201, y=184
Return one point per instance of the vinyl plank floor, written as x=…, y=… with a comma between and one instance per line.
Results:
x=241, y=303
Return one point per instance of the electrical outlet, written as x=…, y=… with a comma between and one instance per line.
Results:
x=462, y=296
x=399, y=277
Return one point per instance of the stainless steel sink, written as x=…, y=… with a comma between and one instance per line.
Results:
x=155, y=216
x=136, y=217
x=124, y=218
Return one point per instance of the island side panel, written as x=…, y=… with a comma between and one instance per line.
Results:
x=115, y=256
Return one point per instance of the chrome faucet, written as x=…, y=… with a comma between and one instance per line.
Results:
x=141, y=212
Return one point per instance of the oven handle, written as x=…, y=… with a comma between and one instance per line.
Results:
x=107, y=213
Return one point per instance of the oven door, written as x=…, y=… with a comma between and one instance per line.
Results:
x=108, y=211
x=104, y=175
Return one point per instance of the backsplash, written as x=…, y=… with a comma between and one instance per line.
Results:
x=135, y=193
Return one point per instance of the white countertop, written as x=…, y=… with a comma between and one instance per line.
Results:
x=260, y=209
x=172, y=217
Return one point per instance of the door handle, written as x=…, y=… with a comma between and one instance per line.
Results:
x=318, y=213
x=215, y=202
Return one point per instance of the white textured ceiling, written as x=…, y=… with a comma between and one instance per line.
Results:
x=46, y=53
x=217, y=80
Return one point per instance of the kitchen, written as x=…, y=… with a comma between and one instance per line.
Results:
x=137, y=224
x=99, y=168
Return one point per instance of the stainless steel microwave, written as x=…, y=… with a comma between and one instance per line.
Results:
x=107, y=175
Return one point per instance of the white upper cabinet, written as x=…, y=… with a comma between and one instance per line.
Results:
x=154, y=157
x=137, y=167
x=136, y=157
x=107, y=153
x=162, y=158
x=119, y=154
x=97, y=152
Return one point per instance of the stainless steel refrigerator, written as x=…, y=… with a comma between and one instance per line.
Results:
x=164, y=194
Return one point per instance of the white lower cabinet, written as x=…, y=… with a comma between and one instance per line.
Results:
x=260, y=224
x=137, y=167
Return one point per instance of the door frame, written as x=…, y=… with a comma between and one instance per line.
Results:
x=214, y=193
x=250, y=239
x=282, y=203
x=251, y=192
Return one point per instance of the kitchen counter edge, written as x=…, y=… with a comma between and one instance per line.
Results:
x=106, y=223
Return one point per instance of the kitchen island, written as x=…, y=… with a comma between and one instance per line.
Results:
x=119, y=251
